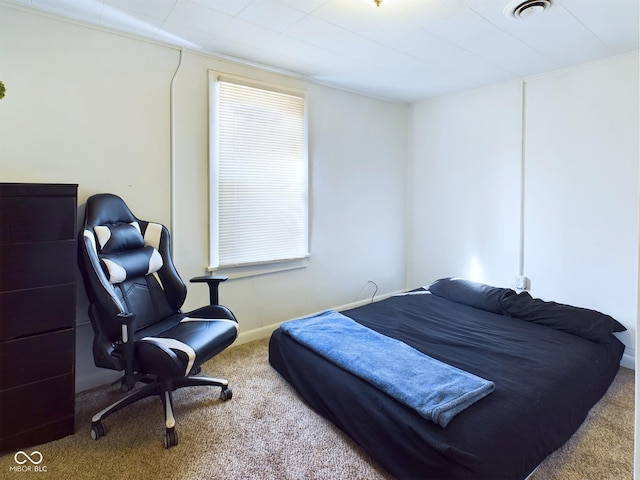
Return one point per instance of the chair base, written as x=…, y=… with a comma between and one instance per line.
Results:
x=163, y=389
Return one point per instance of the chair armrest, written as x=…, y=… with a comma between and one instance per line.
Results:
x=213, y=281
x=127, y=348
x=126, y=320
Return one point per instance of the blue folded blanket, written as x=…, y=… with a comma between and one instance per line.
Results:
x=436, y=390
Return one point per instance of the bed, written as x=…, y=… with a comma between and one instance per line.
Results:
x=549, y=363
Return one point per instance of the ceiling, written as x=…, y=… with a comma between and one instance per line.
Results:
x=404, y=50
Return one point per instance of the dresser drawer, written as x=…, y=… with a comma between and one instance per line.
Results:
x=37, y=219
x=41, y=434
x=36, y=358
x=36, y=404
x=37, y=310
x=32, y=265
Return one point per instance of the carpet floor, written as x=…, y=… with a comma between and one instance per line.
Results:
x=266, y=432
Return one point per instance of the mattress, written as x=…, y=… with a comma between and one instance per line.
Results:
x=546, y=381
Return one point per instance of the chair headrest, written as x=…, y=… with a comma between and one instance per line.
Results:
x=107, y=209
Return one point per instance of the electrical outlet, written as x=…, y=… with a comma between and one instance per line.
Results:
x=520, y=282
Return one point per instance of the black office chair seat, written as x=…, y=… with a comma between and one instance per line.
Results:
x=135, y=297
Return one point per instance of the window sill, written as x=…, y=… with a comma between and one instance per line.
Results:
x=245, y=271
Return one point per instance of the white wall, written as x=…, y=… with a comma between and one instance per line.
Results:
x=581, y=200
x=464, y=184
x=581, y=187
x=91, y=107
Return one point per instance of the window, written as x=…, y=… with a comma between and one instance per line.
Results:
x=258, y=175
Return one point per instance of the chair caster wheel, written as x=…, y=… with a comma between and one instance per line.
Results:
x=170, y=438
x=98, y=430
x=226, y=394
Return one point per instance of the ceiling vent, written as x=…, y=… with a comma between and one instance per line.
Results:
x=527, y=8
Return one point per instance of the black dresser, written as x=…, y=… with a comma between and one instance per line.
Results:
x=37, y=313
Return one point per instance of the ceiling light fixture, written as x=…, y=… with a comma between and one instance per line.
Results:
x=527, y=8
x=377, y=3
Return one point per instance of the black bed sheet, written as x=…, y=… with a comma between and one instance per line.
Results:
x=546, y=382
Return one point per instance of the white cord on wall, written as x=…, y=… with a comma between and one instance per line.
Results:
x=172, y=134
x=364, y=286
x=522, y=175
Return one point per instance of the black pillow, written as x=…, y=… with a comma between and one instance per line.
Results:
x=474, y=294
x=132, y=263
x=583, y=322
x=119, y=237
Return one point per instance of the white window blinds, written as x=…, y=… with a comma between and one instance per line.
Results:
x=261, y=176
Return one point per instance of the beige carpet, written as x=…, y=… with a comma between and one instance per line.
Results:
x=266, y=432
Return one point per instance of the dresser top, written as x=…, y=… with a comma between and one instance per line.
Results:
x=38, y=189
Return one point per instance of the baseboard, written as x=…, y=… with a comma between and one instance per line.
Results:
x=264, y=332
x=96, y=379
x=628, y=361
x=256, y=334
